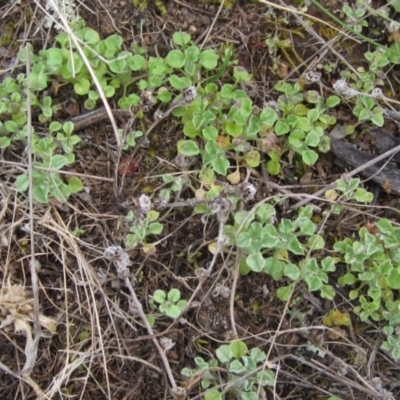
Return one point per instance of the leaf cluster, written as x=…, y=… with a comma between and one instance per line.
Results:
x=233, y=361
x=373, y=275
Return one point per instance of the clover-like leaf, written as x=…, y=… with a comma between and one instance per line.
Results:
x=209, y=59
x=159, y=296
x=75, y=184
x=256, y=262
x=224, y=353
x=175, y=59
x=188, y=148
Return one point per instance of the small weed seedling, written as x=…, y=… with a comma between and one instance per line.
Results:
x=169, y=303
x=232, y=363
x=373, y=274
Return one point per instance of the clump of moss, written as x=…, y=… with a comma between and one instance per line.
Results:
x=7, y=37
x=143, y=4
x=227, y=3
x=160, y=6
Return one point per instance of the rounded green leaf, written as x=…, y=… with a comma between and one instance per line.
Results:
x=209, y=59
x=82, y=86
x=190, y=130
x=188, y=148
x=292, y=271
x=174, y=295
x=309, y=157
x=91, y=36
x=303, y=123
x=256, y=262
x=220, y=165
x=268, y=116
x=237, y=367
x=378, y=119
x=253, y=158
x=213, y=394
x=4, y=142
x=274, y=267
x=113, y=43
x=41, y=194
x=264, y=212
x=269, y=237
x=257, y=355
x=172, y=311
x=296, y=138
x=273, y=167
x=393, y=278
x=284, y=292
x=314, y=282
x=316, y=242
x=238, y=348
x=332, y=101
x=61, y=192
x=246, y=106
x=253, y=127
x=54, y=58
x=181, y=38
x=109, y=91
x=233, y=129
x=11, y=126
x=192, y=53
x=294, y=245
x=136, y=62
x=175, y=59
x=156, y=228
x=179, y=83
x=224, y=353
x=243, y=240
x=159, y=296
x=313, y=138
x=75, y=184
x=227, y=91
x=327, y=292
x=266, y=378
x=118, y=65
x=363, y=196
x=58, y=161
x=281, y=127
x=164, y=95
x=210, y=133
x=22, y=183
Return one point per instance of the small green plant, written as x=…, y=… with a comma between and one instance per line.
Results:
x=144, y=224
x=46, y=182
x=275, y=44
x=220, y=121
x=355, y=16
x=365, y=84
x=302, y=118
x=373, y=274
x=366, y=110
x=282, y=249
x=169, y=303
x=233, y=361
x=352, y=191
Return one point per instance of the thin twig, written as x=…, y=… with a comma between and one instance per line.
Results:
x=17, y=164
x=350, y=174
x=85, y=60
x=142, y=316
x=31, y=358
x=212, y=25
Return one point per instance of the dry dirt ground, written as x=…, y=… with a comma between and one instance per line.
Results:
x=101, y=350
